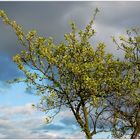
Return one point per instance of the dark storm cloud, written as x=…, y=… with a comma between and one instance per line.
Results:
x=119, y=14
x=51, y=19
x=45, y=17
x=48, y=18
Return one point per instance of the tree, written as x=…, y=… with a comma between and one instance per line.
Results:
x=102, y=92
x=126, y=106
x=72, y=74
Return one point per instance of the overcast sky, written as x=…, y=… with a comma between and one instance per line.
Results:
x=17, y=119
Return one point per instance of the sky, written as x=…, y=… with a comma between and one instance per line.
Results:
x=17, y=118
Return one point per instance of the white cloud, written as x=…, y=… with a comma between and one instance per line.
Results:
x=2, y=136
x=30, y=124
x=13, y=125
x=74, y=135
x=66, y=114
x=12, y=110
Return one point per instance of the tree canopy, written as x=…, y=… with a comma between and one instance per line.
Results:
x=126, y=107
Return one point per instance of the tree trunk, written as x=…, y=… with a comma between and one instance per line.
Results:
x=88, y=135
x=135, y=134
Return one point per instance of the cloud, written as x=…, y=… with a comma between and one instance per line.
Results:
x=15, y=129
x=51, y=19
x=26, y=109
x=2, y=136
x=63, y=123
x=22, y=125
x=24, y=122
